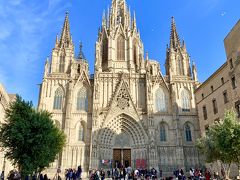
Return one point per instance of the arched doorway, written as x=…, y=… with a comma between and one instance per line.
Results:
x=122, y=141
x=122, y=150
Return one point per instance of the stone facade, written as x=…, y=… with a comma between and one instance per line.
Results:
x=221, y=91
x=5, y=99
x=127, y=106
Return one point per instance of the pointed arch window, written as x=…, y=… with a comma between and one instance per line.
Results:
x=82, y=101
x=80, y=133
x=160, y=101
x=135, y=56
x=61, y=64
x=120, y=48
x=186, y=101
x=180, y=66
x=188, y=133
x=163, y=137
x=58, y=99
x=105, y=53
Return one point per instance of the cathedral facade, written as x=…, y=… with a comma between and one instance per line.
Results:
x=128, y=113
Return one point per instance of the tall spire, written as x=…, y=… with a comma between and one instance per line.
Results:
x=66, y=39
x=174, y=38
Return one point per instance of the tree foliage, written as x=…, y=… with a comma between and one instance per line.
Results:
x=30, y=138
x=222, y=141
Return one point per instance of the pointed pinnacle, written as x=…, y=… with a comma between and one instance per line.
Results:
x=56, y=41
x=66, y=36
x=81, y=54
x=174, y=38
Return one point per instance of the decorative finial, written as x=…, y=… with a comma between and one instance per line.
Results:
x=81, y=54
x=147, y=58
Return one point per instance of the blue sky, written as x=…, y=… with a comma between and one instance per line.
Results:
x=28, y=29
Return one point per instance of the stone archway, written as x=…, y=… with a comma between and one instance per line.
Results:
x=125, y=134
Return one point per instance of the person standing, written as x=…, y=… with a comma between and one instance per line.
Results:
x=2, y=175
x=207, y=175
x=191, y=172
x=79, y=172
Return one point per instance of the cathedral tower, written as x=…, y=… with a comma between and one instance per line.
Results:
x=63, y=52
x=177, y=62
x=119, y=47
x=66, y=92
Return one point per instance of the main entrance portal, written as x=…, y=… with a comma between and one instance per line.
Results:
x=121, y=140
x=121, y=157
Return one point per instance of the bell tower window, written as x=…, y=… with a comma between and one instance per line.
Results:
x=120, y=48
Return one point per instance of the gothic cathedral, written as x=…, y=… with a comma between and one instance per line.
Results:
x=127, y=113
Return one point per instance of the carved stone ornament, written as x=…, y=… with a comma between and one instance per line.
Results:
x=123, y=99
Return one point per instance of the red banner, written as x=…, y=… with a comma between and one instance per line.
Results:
x=140, y=163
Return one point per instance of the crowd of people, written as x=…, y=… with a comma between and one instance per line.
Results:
x=121, y=173
x=73, y=174
x=70, y=174
x=16, y=175
x=194, y=174
x=129, y=173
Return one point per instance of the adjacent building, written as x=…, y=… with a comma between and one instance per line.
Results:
x=127, y=113
x=5, y=99
x=221, y=91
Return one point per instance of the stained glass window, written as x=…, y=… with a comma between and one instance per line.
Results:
x=82, y=101
x=160, y=101
x=58, y=98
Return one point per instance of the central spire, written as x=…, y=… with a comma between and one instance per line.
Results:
x=119, y=13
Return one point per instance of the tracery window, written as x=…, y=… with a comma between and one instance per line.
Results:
x=120, y=48
x=58, y=98
x=163, y=137
x=80, y=133
x=160, y=101
x=61, y=64
x=188, y=133
x=186, y=101
x=82, y=101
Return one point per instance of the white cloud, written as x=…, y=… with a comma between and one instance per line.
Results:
x=24, y=25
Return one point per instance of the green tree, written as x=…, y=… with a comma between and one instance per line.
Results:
x=222, y=142
x=30, y=138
